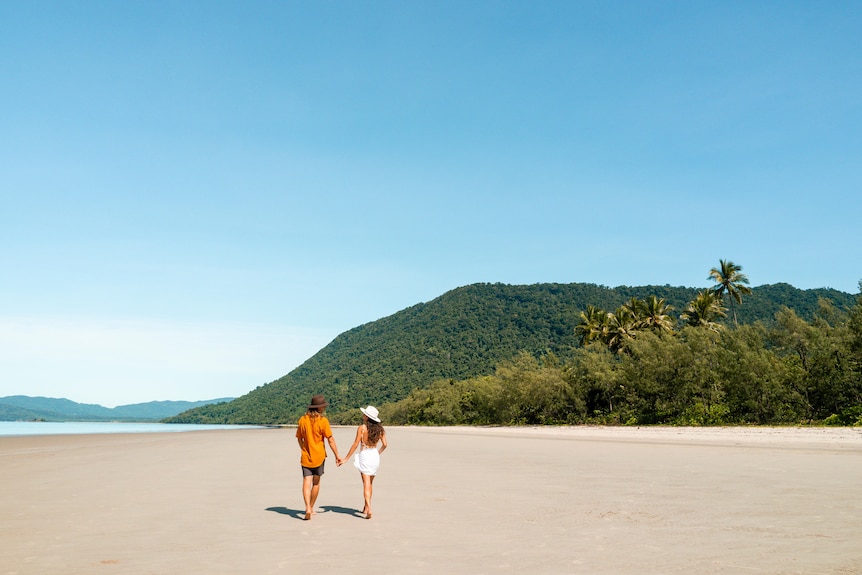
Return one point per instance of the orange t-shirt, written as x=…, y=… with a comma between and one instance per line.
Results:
x=313, y=432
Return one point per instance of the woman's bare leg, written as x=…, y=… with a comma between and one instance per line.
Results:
x=367, y=480
x=362, y=479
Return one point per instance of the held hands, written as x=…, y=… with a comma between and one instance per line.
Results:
x=338, y=461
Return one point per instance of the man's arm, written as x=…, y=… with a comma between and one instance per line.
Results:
x=334, y=449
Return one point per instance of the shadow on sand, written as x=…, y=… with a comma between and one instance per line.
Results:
x=300, y=513
x=343, y=510
x=295, y=513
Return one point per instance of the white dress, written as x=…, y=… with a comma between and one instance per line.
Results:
x=367, y=460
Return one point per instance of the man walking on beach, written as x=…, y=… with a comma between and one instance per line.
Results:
x=312, y=429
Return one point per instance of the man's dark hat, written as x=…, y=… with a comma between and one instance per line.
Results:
x=317, y=402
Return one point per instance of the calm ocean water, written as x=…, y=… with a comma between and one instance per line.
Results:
x=8, y=428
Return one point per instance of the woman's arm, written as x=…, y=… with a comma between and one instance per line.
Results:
x=383, y=441
x=355, y=442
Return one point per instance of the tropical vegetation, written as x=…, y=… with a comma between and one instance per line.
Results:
x=551, y=354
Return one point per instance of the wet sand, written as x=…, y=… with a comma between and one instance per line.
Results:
x=447, y=500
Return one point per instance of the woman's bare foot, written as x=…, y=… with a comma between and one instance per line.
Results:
x=308, y=515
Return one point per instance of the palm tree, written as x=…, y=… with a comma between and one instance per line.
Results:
x=728, y=278
x=637, y=308
x=593, y=325
x=704, y=310
x=656, y=315
x=622, y=325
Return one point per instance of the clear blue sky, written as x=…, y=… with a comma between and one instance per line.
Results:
x=197, y=196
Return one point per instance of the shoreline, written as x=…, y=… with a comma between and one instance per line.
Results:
x=816, y=433
x=30, y=428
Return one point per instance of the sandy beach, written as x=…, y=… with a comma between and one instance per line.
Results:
x=447, y=500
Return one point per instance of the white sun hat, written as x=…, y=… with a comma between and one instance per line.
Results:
x=371, y=412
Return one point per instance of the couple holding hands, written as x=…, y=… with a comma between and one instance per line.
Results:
x=313, y=428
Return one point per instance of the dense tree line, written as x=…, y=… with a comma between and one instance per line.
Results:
x=640, y=365
x=468, y=333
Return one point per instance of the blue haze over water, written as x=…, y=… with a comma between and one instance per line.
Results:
x=17, y=428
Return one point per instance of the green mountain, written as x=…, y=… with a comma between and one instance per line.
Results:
x=26, y=408
x=463, y=333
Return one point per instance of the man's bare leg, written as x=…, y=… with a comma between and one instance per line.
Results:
x=315, y=491
x=310, y=491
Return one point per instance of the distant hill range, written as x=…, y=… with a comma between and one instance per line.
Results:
x=25, y=408
x=464, y=333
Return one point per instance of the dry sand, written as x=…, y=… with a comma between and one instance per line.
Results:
x=451, y=500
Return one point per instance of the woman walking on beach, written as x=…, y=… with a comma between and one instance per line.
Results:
x=312, y=429
x=367, y=460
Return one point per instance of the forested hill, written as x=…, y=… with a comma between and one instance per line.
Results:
x=464, y=333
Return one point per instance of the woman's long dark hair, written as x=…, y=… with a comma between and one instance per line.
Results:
x=375, y=430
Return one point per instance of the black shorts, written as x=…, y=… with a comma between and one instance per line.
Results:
x=308, y=471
